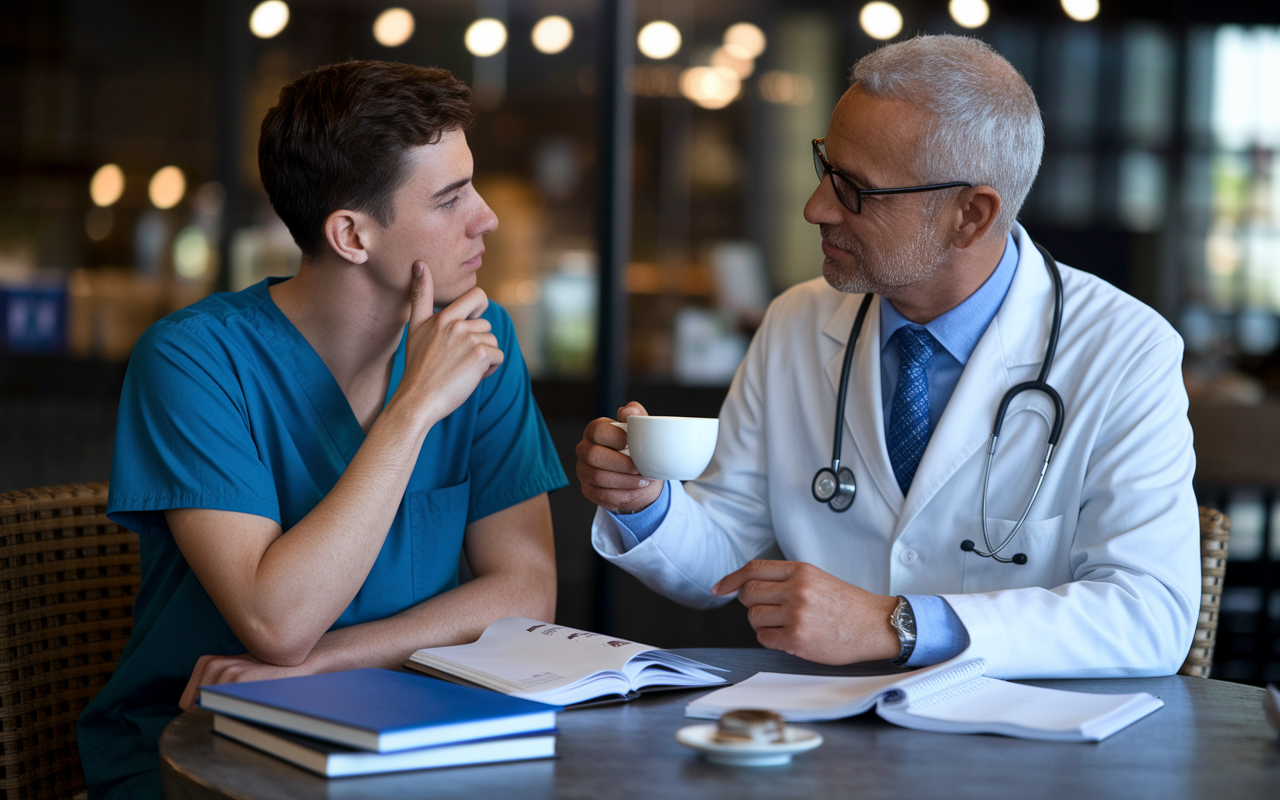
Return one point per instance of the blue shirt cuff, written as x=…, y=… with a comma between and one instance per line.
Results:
x=640, y=526
x=940, y=634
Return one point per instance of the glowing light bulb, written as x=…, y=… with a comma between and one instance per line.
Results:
x=486, y=37
x=107, y=185
x=552, y=34
x=167, y=187
x=1081, y=10
x=880, y=20
x=659, y=40
x=969, y=13
x=748, y=37
x=269, y=18
x=393, y=27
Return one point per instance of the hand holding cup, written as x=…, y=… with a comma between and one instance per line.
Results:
x=612, y=457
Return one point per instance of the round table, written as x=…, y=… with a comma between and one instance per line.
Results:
x=1209, y=740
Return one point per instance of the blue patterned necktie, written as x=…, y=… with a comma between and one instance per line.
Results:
x=909, y=414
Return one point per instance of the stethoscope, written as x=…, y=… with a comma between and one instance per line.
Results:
x=835, y=486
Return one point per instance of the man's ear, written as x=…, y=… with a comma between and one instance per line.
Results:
x=976, y=209
x=348, y=233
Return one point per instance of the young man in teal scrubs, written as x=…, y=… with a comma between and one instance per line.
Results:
x=306, y=460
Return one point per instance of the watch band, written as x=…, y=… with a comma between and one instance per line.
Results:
x=904, y=622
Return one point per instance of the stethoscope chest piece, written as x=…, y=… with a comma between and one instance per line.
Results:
x=837, y=492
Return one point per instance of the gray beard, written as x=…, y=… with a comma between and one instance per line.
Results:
x=915, y=260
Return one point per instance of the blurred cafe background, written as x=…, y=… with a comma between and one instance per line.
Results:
x=649, y=161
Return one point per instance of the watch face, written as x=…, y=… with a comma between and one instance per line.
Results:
x=904, y=621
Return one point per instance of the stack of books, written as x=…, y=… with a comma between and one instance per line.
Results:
x=369, y=721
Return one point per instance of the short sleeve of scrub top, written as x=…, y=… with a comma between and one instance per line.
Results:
x=226, y=406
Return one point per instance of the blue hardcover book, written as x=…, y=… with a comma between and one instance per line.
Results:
x=339, y=761
x=379, y=710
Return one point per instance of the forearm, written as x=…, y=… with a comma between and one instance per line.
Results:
x=686, y=555
x=307, y=576
x=280, y=591
x=1123, y=625
x=454, y=617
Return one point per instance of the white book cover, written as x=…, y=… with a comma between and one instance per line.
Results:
x=561, y=665
x=951, y=697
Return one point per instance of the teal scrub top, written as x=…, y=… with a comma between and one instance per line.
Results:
x=226, y=406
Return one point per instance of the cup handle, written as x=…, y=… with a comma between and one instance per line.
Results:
x=626, y=451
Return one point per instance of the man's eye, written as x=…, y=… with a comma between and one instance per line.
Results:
x=450, y=203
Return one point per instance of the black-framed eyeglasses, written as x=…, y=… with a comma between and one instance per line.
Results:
x=850, y=195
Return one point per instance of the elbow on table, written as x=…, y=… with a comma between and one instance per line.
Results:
x=276, y=644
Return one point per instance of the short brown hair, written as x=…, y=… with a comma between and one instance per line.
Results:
x=339, y=135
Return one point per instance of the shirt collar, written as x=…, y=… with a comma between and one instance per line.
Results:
x=959, y=329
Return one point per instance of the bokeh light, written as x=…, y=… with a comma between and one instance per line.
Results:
x=167, y=187
x=98, y=223
x=659, y=40
x=191, y=253
x=486, y=37
x=393, y=27
x=748, y=37
x=269, y=18
x=733, y=57
x=710, y=87
x=786, y=88
x=880, y=20
x=969, y=13
x=1081, y=10
x=106, y=185
x=552, y=34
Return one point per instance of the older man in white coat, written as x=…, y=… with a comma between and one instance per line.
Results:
x=1109, y=585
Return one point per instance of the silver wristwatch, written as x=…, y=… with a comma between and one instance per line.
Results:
x=904, y=622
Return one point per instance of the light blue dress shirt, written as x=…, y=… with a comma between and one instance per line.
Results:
x=939, y=632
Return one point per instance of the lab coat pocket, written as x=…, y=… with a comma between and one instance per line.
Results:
x=437, y=522
x=1038, y=540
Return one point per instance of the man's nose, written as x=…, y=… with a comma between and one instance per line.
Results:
x=823, y=208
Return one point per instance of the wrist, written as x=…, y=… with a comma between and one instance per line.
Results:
x=411, y=420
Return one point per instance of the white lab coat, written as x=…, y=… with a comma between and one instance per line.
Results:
x=1112, y=582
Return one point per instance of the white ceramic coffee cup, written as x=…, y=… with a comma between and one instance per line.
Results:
x=670, y=448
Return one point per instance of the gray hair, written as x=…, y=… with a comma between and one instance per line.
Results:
x=987, y=128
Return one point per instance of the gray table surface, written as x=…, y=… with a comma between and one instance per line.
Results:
x=1209, y=740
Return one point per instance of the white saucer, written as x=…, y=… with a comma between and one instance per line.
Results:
x=747, y=754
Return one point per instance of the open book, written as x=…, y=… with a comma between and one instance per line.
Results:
x=951, y=697
x=559, y=665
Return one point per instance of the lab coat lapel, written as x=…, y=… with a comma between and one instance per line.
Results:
x=863, y=411
x=1016, y=337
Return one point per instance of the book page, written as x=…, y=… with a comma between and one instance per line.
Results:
x=526, y=657
x=812, y=698
x=661, y=668
x=995, y=706
x=798, y=698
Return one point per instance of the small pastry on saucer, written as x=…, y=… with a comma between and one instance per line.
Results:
x=750, y=726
